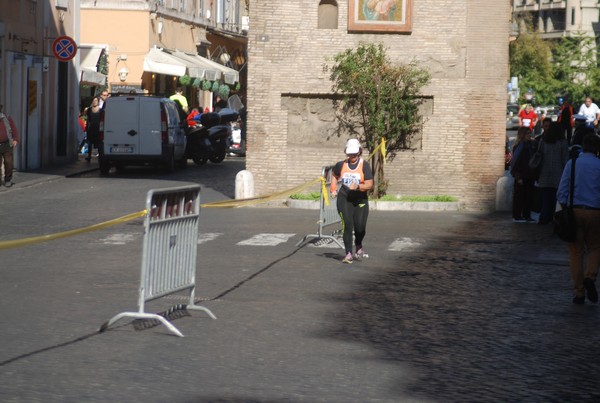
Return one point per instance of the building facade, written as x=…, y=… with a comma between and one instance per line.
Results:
x=37, y=88
x=150, y=45
x=557, y=18
x=463, y=44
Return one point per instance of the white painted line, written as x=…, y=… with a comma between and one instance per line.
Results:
x=266, y=239
x=118, y=239
x=404, y=244
x=210, y=236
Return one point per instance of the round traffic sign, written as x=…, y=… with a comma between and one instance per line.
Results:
x=64, y=48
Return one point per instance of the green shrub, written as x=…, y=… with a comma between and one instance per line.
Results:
x=306, y=196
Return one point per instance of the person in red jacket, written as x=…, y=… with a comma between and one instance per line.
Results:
x=527, y=117
x=192, y=117
x=9, y=137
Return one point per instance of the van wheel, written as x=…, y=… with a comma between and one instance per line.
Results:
x=170, y=165
x=216, y=158
x=104, y=166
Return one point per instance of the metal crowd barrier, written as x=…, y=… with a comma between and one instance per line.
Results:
x=169, y=254
x=328, y=214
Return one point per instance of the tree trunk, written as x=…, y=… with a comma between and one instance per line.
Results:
x=379, y=184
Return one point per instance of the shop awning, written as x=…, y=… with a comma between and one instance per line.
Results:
x=157, y=61
x=88, y=60
x=213, y=70
x=177, y=63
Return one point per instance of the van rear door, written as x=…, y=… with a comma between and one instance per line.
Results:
x=121, y=131
x=150, y=127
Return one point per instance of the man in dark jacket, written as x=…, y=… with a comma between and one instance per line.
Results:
x=565, y=117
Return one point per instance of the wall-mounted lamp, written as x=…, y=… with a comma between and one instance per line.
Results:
x=225, y=58
x=123, y=74
x=160, y=26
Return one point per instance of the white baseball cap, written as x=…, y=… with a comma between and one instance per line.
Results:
x=352, y=146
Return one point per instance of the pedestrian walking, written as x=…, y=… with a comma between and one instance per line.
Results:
x=523, y=174
x=527, y=117
x=586, y=208
x=356, y=179
x=104, y=95
x=93, y=114
x=179, y=97
x=555, y=153
x=565, y=117
x=591, y=111
x=9, y=137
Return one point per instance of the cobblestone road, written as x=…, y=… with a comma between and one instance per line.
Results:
x=486, y=314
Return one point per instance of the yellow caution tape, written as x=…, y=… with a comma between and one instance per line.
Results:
x=380, y=148
x=324, y=191
x=44, y=238
x=258, y=199
x=220, y=204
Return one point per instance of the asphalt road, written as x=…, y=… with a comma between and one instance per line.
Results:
x=449, y=306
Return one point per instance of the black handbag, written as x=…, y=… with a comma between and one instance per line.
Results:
x=564, y=219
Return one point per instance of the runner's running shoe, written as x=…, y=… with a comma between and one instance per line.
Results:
x=348, y=258
x=360, y=254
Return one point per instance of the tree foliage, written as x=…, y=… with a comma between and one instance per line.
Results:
x=566, y=66
x=531, y=62
x=377, y=99
x=576, y=67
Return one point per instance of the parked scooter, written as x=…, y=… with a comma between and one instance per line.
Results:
x=208, y=140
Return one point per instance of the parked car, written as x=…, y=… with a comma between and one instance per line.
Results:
x=138, y=129
x=512, y=116
x=547, y=111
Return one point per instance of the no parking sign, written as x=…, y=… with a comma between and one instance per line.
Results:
x=64, y=48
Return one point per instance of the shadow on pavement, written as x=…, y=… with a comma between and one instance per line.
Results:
x=481, y=316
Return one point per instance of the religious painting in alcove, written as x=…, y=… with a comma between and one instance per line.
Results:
x=386, y=16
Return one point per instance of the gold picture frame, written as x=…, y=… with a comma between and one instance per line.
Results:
x=380, y=16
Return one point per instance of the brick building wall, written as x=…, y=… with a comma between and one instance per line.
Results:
x=464, y=44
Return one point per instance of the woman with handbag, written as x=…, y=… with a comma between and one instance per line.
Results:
x=585, y=202
x=554, y=154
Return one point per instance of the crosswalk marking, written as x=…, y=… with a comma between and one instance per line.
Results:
x=266, y=239
x=209, y=236
x=404, y=244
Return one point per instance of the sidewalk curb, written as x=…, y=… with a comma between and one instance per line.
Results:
x=384, y=205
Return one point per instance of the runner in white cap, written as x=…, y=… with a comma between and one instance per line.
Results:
x=356, y=179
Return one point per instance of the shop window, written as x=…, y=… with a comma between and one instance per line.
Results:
x=328, y=14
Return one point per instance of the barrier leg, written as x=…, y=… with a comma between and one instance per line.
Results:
x=201, y=308
x=139, y=315
x=309, y=237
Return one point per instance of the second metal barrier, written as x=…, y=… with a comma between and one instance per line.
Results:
x=328, y=214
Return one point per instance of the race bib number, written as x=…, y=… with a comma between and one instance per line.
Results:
x=526, y=122
x=350, y=178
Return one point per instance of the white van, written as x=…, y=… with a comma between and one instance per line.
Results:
x=141, y=129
